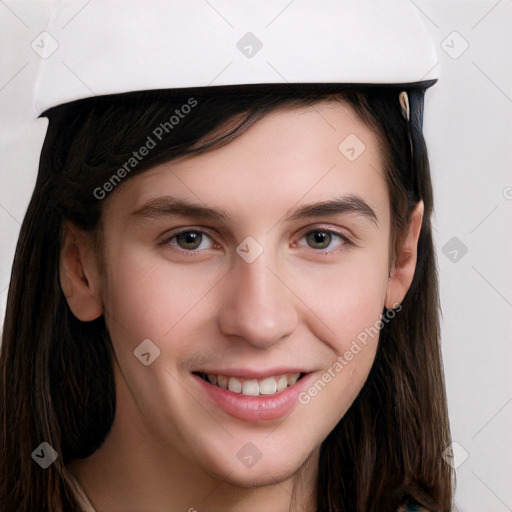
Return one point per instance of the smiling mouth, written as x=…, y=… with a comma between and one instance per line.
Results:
x=252, y=387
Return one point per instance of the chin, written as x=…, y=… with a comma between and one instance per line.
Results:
x=249, y=480
x=261, y=474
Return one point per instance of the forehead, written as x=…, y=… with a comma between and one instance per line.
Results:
x=292, y=155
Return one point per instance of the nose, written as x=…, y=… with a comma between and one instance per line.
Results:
x=256, y=304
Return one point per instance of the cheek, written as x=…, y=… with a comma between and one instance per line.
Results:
x=347, y=298
x=348, y=303
x=356, y=320
x=147, y=297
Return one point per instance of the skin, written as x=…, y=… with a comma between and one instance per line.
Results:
x=170, y=447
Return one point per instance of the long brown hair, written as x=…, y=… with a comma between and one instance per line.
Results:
x=56, y=373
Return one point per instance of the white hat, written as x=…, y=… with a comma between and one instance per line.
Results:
x=114, y=46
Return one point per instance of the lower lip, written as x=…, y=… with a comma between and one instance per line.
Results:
x=255, y=408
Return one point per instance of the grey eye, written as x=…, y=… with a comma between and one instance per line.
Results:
x=189, y=240
x=319, y=239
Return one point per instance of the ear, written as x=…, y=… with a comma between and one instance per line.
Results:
x=79, y=274
x=402, y=270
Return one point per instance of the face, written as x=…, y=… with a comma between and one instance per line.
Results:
x=248, y=267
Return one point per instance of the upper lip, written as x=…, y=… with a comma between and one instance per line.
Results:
x=249, y=373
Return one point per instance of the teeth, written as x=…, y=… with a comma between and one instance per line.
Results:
x=253, y=387
x=234, y=385
x=222, y=382
x=250, y=387
x=293, y=378
x=268, y=386
x=282, y=383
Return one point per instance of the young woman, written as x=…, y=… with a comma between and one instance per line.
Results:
x=225, y=298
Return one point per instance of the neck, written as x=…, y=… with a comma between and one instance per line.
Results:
x=133, y=470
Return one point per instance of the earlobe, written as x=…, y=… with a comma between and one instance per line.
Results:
x=79, y=276
x=402, y=271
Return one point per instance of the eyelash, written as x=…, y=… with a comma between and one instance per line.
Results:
x=344, y=240
x=176, y=248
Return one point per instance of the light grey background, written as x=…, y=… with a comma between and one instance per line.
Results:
x=468, y=127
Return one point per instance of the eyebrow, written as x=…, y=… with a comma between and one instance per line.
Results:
x=347, y=204
x=168, y=206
